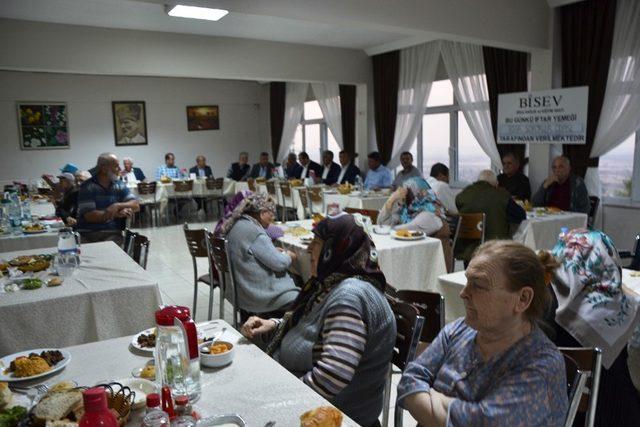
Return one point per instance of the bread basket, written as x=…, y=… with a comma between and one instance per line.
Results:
x=119, y=398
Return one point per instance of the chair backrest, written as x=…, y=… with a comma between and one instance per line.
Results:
x=128, y=240
x=195, y=242
x=182, y=186
x=594, y=202
x=140, y=250
x=147, y=188
x=304, y=197
x=271, y=188
x=217, y=247
x=589, y=361
x=285, y=189
x=635, y=262
x=214, y=183
x=366, y=212
x=472, y=226
x=251, y=183
x=576, y=382
x=315, y=194
x=409, y=325
x=430, y=305
x=454, y=222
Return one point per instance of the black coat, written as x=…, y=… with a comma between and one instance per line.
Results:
x=334, y=173
x=207, y=171
x=237, y=172
x=350, y=175
x=255, y=171
x=313, y=166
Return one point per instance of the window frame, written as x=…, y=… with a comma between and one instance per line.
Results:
x=634, y=198
x=324, y=129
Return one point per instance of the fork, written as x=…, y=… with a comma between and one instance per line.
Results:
x=40, y=388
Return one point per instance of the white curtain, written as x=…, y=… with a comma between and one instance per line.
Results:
x=293, y=109
x=418, y=66
x=328, y=96
x=465, y=66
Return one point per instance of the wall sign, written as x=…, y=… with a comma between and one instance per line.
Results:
x=557, y=116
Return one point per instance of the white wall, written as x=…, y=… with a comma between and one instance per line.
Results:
x=244, y=118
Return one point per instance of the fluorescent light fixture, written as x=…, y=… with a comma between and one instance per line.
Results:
x=194, y=12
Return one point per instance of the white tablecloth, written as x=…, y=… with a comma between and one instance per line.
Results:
x=374, y=202
x=20, y=242
x=406, y=264
x=253, y=385
x=108, y=296
x=541, y=232
x=450, y=286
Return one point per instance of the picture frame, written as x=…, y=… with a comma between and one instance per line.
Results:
x=43, y=125
x=129, y=123
x=203, y=117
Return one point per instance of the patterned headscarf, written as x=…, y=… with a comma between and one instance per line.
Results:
x=247, y=204
x=347, y=252
x=420, y=197
x=588, y=285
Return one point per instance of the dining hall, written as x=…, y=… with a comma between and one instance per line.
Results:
x=319, y=213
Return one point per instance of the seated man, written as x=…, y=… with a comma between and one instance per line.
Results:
x=201, y=169
x=330, y=169
x=264, y=169
x=309, y=165
x=349, y=171
x=512, y=179
x=239, y=170
x=104, y=202
x=408, y=170
x=484, y=196
x=292, y=169
x=494, y=367
x=129, y=173
x=378, y=175
x=439, y=182
x=67, y=206
x=169, y=169
x=563, y=190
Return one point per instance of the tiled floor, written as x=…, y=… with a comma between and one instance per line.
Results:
x=171, y=264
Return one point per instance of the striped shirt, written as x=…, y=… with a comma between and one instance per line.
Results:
x=94, y=197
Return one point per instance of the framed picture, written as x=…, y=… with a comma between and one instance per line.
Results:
x=203, y=117
x=129, y=122
x=43, y=125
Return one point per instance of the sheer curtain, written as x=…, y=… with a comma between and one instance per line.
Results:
x=293, y=109
x=418, y=66
x=465, y=66
x=328, y=96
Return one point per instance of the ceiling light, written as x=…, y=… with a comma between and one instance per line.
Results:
x=196, y=12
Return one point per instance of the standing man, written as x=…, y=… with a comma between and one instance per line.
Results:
x=330, y=169
x=169, y=169
x=512, y=179
x=439, y=182
x=129, y=173
x=104, y=202
x=408, y=170
x=201, y=169
x=240, y=170
x=349, y=171
x=563, y=190
x=264, y=169
x=378, y=175
x=308, y=165
x=292, y=169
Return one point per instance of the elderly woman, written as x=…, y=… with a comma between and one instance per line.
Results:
x=339, y=336
x=494, y=367
x=595, y=310
x=260, y=269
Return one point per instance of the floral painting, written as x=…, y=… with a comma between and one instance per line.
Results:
x=203, y=117
x=43, y=125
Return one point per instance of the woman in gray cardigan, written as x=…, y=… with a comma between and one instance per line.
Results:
x=339, y=336
x=260, y=269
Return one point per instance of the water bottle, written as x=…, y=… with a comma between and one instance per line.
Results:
x=25, y=209
x=15, y=218
x=154, y=416
x=358, y=183
x=68, y=257
x=5, y=223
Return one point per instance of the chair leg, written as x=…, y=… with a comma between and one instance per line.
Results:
x=397, y=416
x=210, y=313
x=195, y=287
x=386, y=399
x=221, y=287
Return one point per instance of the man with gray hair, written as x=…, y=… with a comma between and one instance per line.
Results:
x=484, y=196
x=240, y=170
x=104, y=203
x=129, y=173
x=562, y=189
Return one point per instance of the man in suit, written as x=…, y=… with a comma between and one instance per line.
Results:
x=264, y=169
x=239, y=170
x=308, y=165
x=512, y=179
x=349, y=171
x=330, y=169
x=201, y=169
x=292, y=169
x=129, y=173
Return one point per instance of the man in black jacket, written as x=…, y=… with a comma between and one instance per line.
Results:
x=264, y=169
x=240, y=170
x=201, y=169
x=512, y=179
x=309, y=165
x=292, y=169
x=330, y=169
x=349, y=171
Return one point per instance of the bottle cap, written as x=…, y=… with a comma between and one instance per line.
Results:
x=165, y=316
x=182, y=400
x=153, y=400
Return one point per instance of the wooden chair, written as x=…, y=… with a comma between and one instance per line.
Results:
x=251, y=183
x=140, y=250
x=148, y=201
x=285, y=192
x=589, y=361
x=472, y=226
x=594, y=202
x=366, y=212
x=182, y=190
x=454, y=230
x=635, y=255
x=409, y=325
x=216, y=185
x=576, y=382
x=306, y=202
x=430, y=305
x=218, y=259
x=196, y=242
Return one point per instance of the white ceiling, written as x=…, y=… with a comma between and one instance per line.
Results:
x=373, y=25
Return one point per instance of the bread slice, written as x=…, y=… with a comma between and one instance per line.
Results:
x=57, y=406
x=5, y=395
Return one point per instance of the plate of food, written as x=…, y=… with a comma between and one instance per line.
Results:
x=145, y=341
x=407, y=234
x=34, y=229
x=33, y=263
x=32, y=364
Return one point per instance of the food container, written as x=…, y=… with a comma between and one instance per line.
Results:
x=216, y=360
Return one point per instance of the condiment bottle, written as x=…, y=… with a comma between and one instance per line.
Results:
x=167, y=402
x=155, y=417
x=96, y=412
x=184, y=417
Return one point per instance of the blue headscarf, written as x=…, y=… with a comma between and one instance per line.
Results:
x=420, y=198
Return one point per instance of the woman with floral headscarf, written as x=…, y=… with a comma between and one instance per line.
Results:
x=593, y=310
x=340, y=333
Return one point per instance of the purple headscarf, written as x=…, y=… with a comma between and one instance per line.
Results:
x=273, y=231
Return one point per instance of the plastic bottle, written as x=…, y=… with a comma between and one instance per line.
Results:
x=358, y=183
x=183, y=409
x=96, y=412
x=25, y=209
x=15, y=218
x=155, y=417
x=5, y=223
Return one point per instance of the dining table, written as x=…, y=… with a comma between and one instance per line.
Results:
x=24, y=241
x=108, y=295
x=253, y=386
x=412, y=265
x=373, y=200
x=541, y=228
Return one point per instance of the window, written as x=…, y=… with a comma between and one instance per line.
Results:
x=617, y=168
x=313, y=135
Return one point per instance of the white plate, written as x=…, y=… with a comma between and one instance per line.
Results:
x=134, y=342
x=6, y=361
x=395, y=236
